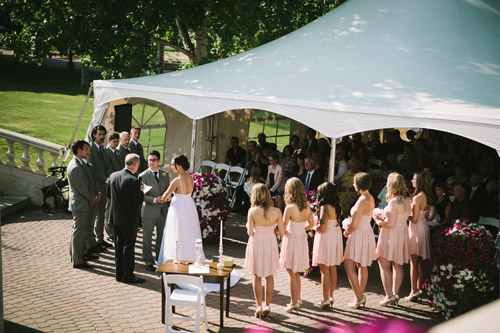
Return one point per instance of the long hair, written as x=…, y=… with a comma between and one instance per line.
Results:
x=261, y=197
x=327, y=195
x=396, y=186
x=295, y=193
x=423, y=184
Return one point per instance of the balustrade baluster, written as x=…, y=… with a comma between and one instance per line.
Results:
x=11, y=154
x=1, y=162
x=55, y=160
x=26, y=159
x=40, y=163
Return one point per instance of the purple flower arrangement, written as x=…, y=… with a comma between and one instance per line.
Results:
x=212, y=204
x=463, y=269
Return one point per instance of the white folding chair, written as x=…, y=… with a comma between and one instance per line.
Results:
x=233, y=184
x=181, y=297
x=219, y=167
x=206, y=164
x=490, y=221
x=374, y=167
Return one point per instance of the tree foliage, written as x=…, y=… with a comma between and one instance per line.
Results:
x=123, y=36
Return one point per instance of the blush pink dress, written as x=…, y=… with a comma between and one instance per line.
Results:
x=262, y=256
x=393, y=241
x=294, y=249
x=360, y=246
x=420, y=236
x=328, y=247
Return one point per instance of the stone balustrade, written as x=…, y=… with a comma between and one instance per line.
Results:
x=27, y=142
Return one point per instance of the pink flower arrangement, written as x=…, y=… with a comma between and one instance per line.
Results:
x=210, y=197
x=378, y=215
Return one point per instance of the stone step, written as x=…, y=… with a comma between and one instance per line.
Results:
x=9, y=204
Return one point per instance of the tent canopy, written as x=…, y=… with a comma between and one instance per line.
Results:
x=365, y=65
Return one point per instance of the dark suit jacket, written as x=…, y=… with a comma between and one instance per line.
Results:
x=98, y=163
x=316, y=180
x=480, y=200
x=139, y=150
x=115, y=161
x=126, y=200
x=124, y=151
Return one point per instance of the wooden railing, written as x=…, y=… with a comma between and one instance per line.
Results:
x=27, y=142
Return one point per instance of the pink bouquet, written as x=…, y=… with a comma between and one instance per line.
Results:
x=346, y=223
x=379, y=215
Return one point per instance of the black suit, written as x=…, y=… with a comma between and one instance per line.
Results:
x=126, y=200
x=316, y=179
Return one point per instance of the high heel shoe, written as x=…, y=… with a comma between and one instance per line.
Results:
x=291, y=307
x=396, y=302
x=413, y=297
x=355, y=305
x=388, y=301
x=266, y=311
x=323, y=304
x=331, y=300
x=258, y=312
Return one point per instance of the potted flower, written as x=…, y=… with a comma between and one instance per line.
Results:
x=210, y=197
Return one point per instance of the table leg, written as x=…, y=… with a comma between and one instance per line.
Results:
x=222, y=303
x=228, y=294
x=163, y=299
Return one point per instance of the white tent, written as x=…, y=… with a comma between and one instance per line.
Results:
x=368, y=64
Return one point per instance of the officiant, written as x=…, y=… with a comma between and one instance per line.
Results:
x=154, y=209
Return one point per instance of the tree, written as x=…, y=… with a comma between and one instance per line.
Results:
x=123, y=37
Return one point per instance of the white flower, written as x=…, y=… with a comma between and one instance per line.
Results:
x=443, y=267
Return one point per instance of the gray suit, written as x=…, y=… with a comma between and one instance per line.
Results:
x=124, y=151
x=98, y=162
x=93, y=187
x=137, y=148
x=153, y=214
x=80, y=198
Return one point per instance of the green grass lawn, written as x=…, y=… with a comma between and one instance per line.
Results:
x=42, y=102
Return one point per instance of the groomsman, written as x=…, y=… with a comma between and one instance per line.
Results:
x=98, y=163
x=154, y=209
x=136, y=147
x=126, y=199
x=80, y=201
x=123, y=148
x=114, y=163
x=90, y=243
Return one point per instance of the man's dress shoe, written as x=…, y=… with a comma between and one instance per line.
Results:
x=89, y=256
x=134, y=279
x=104, y=244
x=83, y=266
x=150, y=268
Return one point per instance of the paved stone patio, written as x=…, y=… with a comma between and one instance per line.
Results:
x=42, y=292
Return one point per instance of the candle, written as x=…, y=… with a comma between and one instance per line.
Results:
x=220, y=243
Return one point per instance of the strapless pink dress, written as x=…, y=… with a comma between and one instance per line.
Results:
x=328, y=248
x=360, y=246
x=294, y=249
x=420, y=237
x=393, y=242
x=262, y=256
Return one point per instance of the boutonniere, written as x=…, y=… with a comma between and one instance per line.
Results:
x=164, y=174
x=128, y=149
x=90, y=164
x=104, y=148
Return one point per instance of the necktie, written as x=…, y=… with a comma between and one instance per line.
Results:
x=116, y=153
x=156, y=175
x=308, y=179
x=100, y=149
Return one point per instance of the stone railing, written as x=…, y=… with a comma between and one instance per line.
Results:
x=27, y=142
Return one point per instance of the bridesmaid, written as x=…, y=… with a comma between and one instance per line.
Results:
x=294, y=250
x=262, y=257
x=419, y=233
x=328, y=246
x=392, y=245
x=360, y=247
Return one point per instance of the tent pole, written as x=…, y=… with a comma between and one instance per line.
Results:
x=193, y=144
x=68, y=147
x=331, y=170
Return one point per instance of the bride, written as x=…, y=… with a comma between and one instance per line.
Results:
x=182, y=218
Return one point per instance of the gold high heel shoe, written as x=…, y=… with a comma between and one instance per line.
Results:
x=266, y=311
x=290, y=307
x=412, y=298
x=258, y=312
x=355, y=305
x=388, y=301
x=331, y=300
x=323, y=304
x=397, y=300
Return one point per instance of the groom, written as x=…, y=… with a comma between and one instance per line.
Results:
x=126, y=199
x=154, y=209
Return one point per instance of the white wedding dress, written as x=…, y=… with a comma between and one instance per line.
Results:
x=183, y=224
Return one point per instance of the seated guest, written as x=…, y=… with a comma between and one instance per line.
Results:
x=461, y=207
x=276, y=179
x=323, y=152
x=347, y=193
x=253, y=154
x=243, y=193
x=289, y=162
x=340, y=164
x=300, y=167
x=261, y=138
x=312, y=142
x=478, y=194
x=311, y=178
x=458, y=177
x=374, y=147
x=235, y=155
x=294, y=142
x=443, y=203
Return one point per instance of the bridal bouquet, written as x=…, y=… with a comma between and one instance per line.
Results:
x=464, y=273
x=312, y=200
x=378, y=215
x=210, y=197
